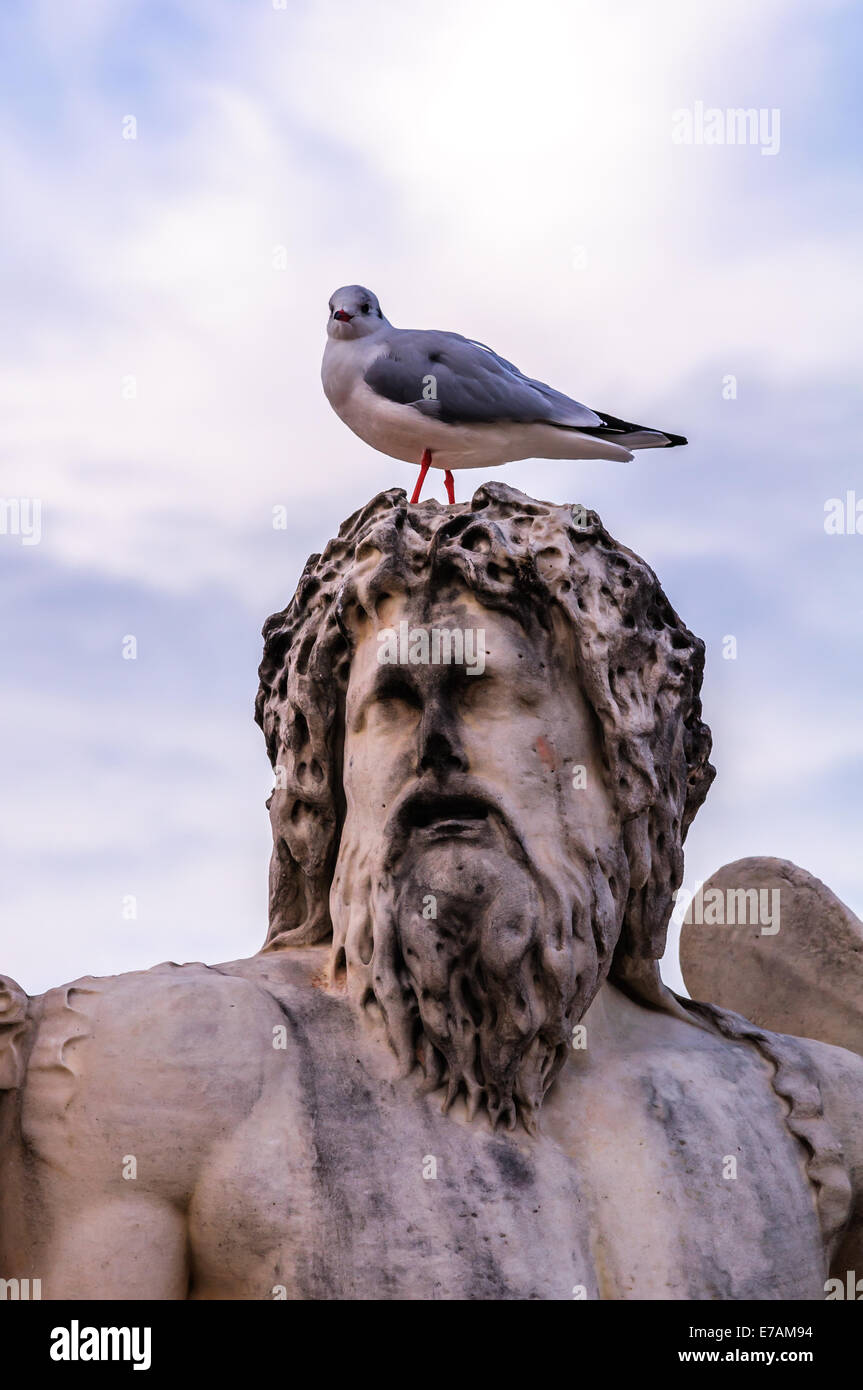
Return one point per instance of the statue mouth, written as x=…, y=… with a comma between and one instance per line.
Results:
x=443, y=817
x=428, y=814
x=459, y=810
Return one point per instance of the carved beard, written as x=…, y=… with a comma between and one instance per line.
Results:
x=479, y=964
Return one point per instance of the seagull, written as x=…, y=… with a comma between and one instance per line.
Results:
x=449, y=402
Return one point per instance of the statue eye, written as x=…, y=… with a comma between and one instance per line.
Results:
x=393, y=690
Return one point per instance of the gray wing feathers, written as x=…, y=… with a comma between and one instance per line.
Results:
x=463, y=382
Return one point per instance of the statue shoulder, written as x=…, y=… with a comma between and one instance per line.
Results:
x=839, y=1073
x=820, y=1088
x=176, y=1046
x=15, y=1031
x=191, y=1014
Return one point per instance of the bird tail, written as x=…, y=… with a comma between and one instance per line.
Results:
x=631, y=436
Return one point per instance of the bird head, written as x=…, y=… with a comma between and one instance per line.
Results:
x=354, y=313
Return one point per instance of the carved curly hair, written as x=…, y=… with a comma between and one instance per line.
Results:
x=640, y=670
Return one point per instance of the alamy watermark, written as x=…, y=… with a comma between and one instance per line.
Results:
x=21, y=516
x=850, y=1288
x=20, y=1290
x=77, y=1343
x=728, y=907
x=730, y=125
x=436, y=646
x=843, y=516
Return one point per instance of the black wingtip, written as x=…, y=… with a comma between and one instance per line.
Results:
x=674, y=439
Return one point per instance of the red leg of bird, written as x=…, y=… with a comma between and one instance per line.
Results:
x=450, y=487
x=424, y=468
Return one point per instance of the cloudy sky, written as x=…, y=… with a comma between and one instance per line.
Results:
x=507, y=170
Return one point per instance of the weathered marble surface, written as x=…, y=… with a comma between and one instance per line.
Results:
x=805, y=978
x=304, y=1167
x=453, y=1071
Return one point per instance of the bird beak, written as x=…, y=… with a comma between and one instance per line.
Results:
x=342, y=315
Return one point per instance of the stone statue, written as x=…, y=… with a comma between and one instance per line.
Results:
x=806, y=978
x=453, y=1071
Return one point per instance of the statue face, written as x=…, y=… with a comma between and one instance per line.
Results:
x=437, y=754
x=477, y=893
x=482, y=877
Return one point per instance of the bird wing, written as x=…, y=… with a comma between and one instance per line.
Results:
x=463, y=382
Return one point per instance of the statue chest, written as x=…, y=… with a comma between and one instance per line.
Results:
x=341, y=1186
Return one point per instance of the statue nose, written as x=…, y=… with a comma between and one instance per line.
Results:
x=441, y=752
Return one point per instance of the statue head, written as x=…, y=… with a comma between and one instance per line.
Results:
x=486, y=731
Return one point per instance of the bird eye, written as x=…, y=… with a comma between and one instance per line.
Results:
x=366, y=308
